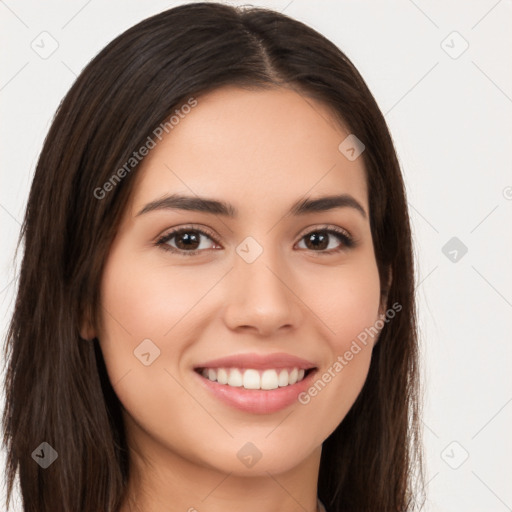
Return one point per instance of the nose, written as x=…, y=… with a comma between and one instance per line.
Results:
x=261, y=297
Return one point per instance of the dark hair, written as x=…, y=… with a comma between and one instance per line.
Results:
x=57, y=389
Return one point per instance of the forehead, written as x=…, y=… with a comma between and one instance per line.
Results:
x=256, y=148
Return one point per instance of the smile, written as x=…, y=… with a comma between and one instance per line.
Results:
x=251, y=378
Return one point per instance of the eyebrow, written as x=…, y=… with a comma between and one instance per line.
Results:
x=214, y=206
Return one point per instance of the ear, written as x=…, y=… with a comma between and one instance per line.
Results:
x=385, y=292
x=87, y=331
x=384, y=300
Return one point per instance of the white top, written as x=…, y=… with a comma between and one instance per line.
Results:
x=321, y=507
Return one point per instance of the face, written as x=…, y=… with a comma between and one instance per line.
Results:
x=257, y=293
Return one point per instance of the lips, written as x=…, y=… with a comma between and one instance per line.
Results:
x=278, y=360
x=256, y=383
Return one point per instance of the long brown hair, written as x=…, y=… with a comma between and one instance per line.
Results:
x=57, y=389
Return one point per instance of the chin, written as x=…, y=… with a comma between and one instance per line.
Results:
x=257, y=459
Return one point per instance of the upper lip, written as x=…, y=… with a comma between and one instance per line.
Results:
x=258, y=361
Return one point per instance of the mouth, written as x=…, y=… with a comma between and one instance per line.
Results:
x=255, y=379
x=256, y=383
x=260, y=390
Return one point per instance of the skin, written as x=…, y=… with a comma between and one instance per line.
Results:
x=260, y=151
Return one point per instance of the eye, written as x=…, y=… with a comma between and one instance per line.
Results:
x=188, y=240
x=320, y=239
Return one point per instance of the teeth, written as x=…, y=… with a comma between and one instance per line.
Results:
x=269, y=380
x=283, y=378
x=234, y=378
x=254, y=379
x=222, y=376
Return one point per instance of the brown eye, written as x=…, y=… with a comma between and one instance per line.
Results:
x=323, y=240
x=186, y=240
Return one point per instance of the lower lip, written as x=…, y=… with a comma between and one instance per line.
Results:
x=257, y=401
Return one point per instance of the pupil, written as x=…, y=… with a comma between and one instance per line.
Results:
x=319, y=240
x=189, y=240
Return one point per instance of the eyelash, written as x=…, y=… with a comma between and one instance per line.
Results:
x=347, y=241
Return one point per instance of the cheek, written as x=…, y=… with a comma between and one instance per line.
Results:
x=144, y=299
x=147, y=300
x=137, y=305
x=346, y=300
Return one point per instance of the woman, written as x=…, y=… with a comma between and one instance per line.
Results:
x=216, y=304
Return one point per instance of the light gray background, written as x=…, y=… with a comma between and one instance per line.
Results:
x=450, y=116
